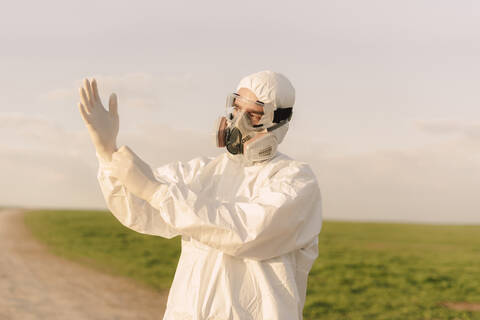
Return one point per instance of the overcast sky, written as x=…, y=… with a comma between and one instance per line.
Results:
x=387, y=110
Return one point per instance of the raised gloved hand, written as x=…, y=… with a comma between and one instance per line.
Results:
x=102, y=125
x=134, y=173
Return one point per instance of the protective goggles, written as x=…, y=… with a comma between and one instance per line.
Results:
x=270, y=116
x=254, y=110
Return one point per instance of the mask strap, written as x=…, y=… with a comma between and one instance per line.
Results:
x=282, y=114
x=276, y=126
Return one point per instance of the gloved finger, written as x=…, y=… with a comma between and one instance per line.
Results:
x=119, y=154
x=121, y=161
x=84, y=99
x=83, y=113
x=116, y=157
x=123, y=150
x=96, y=96
x=116, y=166
x=125, y=153
x=113, y=105
x=88, y=89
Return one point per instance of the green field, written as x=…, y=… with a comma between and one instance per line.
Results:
x=364, y=270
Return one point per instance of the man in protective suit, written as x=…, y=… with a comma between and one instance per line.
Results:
x=249, y=218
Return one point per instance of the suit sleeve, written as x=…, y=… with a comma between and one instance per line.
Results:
x=133, y=212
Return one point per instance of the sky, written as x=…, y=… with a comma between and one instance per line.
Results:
x=387, y=108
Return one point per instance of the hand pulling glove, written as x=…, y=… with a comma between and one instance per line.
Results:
x=134, y=173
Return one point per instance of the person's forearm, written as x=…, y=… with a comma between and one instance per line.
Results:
x=131, y=211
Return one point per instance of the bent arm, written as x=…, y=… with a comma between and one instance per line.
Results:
x=133, y=212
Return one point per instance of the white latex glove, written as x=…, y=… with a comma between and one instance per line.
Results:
x=102, y=125
x=134, y=173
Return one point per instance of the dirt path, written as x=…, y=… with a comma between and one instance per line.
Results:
x=35, y=284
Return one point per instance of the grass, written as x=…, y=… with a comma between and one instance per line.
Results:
x=364, y=270
x=394, y=271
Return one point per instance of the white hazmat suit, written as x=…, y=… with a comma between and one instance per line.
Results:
x=249, y=231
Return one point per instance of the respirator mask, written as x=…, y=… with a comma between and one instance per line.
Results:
x=247, y=131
